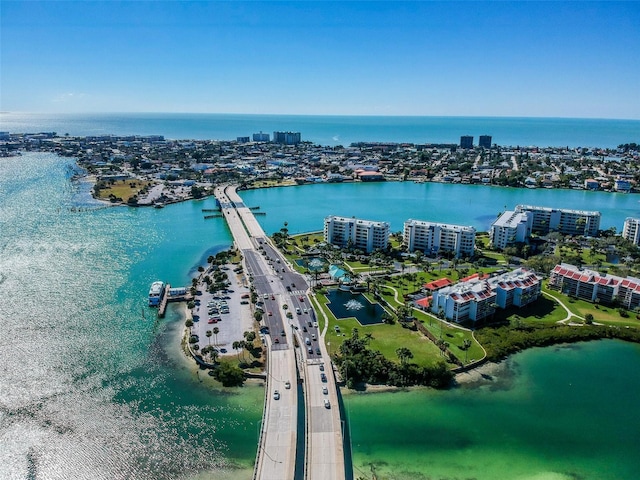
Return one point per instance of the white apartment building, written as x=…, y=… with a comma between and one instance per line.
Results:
x=478, y=298
x=631, y=230
x=365, y=235
x=568, y=222
x=433, y=238
x=509, y=228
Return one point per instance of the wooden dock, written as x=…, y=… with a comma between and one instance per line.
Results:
x=167, y=297
x=162, y=308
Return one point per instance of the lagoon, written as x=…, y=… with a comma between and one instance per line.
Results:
x=396, y=202
x=561, y=413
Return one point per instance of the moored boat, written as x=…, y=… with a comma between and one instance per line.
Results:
x=155, y=293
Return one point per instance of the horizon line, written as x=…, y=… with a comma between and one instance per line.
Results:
x=313, y=115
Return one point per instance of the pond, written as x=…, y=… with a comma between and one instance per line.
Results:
x=345, y=304
x=314, y=264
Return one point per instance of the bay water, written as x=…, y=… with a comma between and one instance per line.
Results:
x=92, y=385
x=305, y=207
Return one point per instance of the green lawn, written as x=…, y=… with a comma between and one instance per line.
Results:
x=385, y=338
x=601, y=314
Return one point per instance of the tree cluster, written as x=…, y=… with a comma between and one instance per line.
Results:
x=505, y=340
x=359, y=364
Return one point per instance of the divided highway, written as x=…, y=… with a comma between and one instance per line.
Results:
x=281, y=290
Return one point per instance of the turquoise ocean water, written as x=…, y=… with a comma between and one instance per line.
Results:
x=93, y=387
x=338, y=130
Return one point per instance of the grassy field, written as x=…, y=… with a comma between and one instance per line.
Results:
x=123, y=189
x=601, y=314
x=385, y=338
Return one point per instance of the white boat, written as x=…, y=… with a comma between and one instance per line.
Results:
x=155, y=293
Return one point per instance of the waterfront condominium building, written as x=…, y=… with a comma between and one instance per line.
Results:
x=484, y=141
x=509, y=228
x=260, y=137
x=466, y=141
x=568, y=222
x=286, y=138
x=631, y=230
x=365, y=235
x=591, y=285
x=433, y=238
x=478, y=298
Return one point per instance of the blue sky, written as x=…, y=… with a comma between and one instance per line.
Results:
x=548, y=59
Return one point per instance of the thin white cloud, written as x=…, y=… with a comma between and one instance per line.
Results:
x=68, y=97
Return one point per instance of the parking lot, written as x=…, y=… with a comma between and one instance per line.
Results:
x=229, y=311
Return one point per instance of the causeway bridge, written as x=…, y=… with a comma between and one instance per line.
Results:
x=298, y=366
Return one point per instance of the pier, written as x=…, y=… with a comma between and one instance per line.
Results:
x=289, y=368
x=180, y=294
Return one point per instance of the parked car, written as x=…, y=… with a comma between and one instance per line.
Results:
x=325, y=390
x=287, y=384
x=276, y=395
x=326, y=403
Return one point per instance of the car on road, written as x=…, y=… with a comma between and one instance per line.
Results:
x=318, y=352
x=310, y=350
x=276, y=395
x=301, y=299
x=315, y=324
x=326, y=403
x=305, y=311
x=325, y=390
x=287, y=384
x=298, y=311
x=269, y=313
x=272, y=297
x=276, y=340
x=304, y=329
x=322, y=367
x=323, y=377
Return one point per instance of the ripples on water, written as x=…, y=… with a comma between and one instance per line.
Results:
x=84, y=392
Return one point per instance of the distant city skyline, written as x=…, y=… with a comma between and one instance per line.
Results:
x=520, y=59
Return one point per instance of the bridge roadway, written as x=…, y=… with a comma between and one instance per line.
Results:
x=278, y=286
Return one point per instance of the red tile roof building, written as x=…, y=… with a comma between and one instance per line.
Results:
x=478, y=297
x=591, y=285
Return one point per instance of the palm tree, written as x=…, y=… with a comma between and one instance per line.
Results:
x=216, y=330
x=466, y=345
x=208, y=334
x=404, y=354
x=236, y=346
x=213, y=353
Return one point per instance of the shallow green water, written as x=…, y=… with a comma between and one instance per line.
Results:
x=566, y=412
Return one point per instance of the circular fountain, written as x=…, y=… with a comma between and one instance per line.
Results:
x=353, y=305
